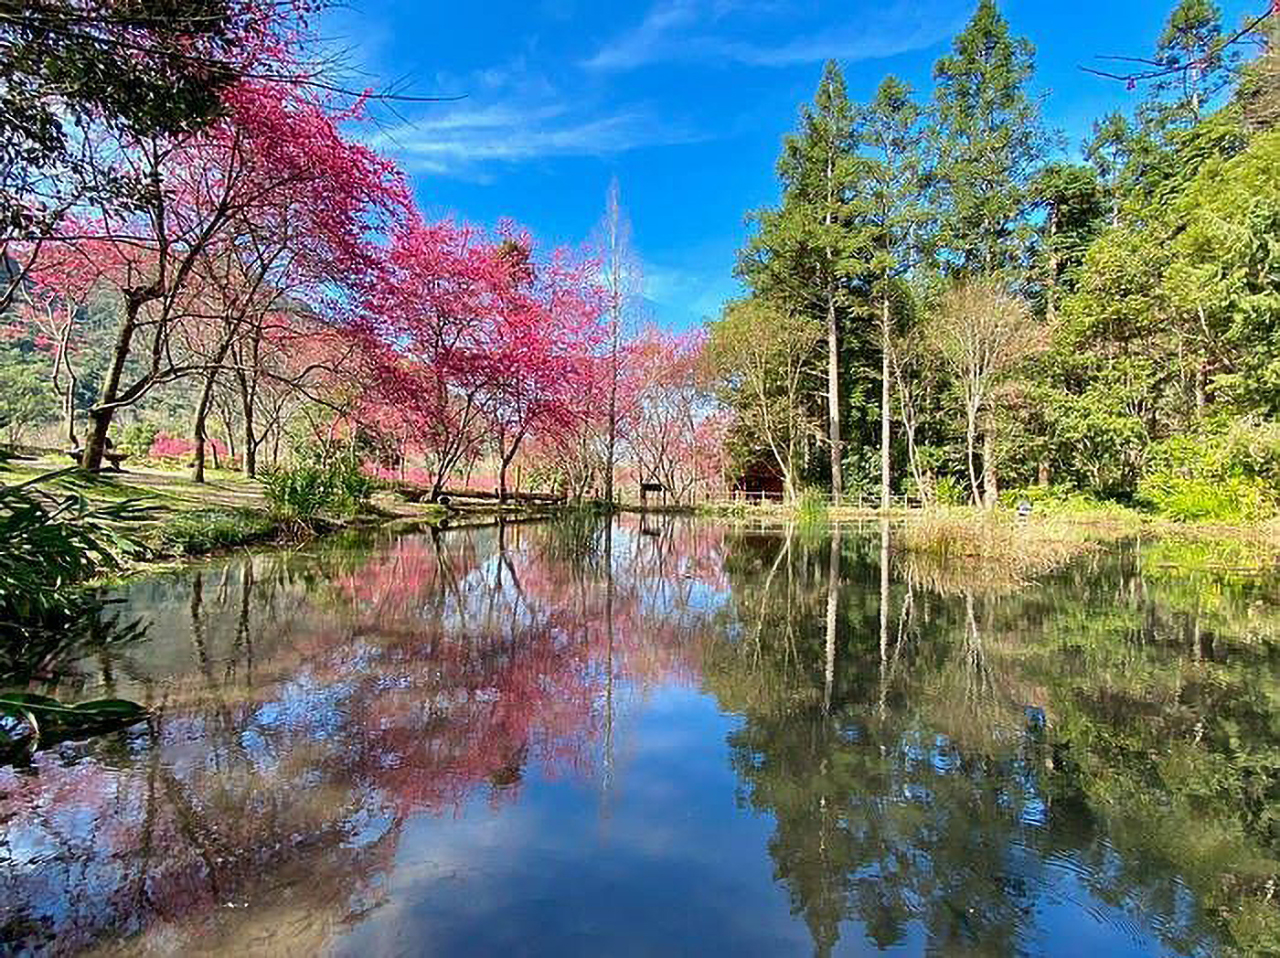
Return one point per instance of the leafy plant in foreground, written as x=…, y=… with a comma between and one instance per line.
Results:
x=50, y=541
x=303, y=494
x=38, y=721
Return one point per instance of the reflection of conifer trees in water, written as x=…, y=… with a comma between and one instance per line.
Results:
x=833, y=614
x=981, y=747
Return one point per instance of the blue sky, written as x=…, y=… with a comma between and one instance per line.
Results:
x=686, y=101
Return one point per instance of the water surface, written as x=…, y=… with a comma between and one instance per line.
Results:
x=664, y=737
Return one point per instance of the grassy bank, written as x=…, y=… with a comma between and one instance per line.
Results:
x=184, y=518
x=1000, y=545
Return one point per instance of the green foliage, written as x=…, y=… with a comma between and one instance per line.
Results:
x=25, y=400
x=1225, y=476
x=51, y=539
x=1226, y=268
x=811, y=508
x=1089, y=409
x=137, y=438
x=206, y=530
x=1198, y=65
x=1175, y=316
x=804, y=254
x=1074, y=207
x=1193, y=498
x=1259, y=92
x=990, y=141
x=895, y=220
x=950, y=491
x=1153, y=270
x=305, y=493
x=801, y=253
x=1066, y=501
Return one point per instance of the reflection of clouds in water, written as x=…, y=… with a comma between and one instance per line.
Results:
x=475, y=743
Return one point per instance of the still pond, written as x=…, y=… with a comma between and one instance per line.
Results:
x=663, y=736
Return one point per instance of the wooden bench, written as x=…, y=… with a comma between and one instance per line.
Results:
x=114, y=458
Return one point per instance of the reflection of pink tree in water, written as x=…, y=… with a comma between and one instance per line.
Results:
x=447, y=668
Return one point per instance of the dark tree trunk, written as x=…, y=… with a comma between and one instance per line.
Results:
x=96, y=444
x=100, y=415
x=200, y=424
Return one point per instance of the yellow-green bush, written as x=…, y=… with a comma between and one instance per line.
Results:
x=1225, y=475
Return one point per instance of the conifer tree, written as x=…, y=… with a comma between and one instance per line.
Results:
x=891, y=196
x=1196, y=62
x=1109, y=151
x=803, y=252
x=990, y=141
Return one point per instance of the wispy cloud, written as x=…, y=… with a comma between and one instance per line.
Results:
x=681, y=296
x=514, y=116
x=709, y=30
x=465, y=138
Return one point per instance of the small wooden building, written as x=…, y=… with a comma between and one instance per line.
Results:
x=652, y=488
x=760, y=479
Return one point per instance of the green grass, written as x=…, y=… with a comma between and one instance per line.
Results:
x=811, y=508
x=199, y=531
x=185, y=518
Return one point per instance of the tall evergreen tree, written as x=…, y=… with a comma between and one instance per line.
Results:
x=803, y=252
x=990, y=141
x=891, y=195
x=1074, y=213
x=1109, y=151
x=1195, y=61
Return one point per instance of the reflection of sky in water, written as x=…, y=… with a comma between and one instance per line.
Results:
x=664, y=858
x=454, y=766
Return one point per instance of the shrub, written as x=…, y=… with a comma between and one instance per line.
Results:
x=136, y=439
x=811, y=507
x=1226, y=474
x=354, y=486
x=1062, y=501
x=1197, y=498
x=303, y=494
x=950, y=491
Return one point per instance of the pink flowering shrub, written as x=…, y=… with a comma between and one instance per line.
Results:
x=167, y=446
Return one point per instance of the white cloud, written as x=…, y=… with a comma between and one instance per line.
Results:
x=684, y=296
x=515, y=115
x=465, y=138
x=703, y=30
